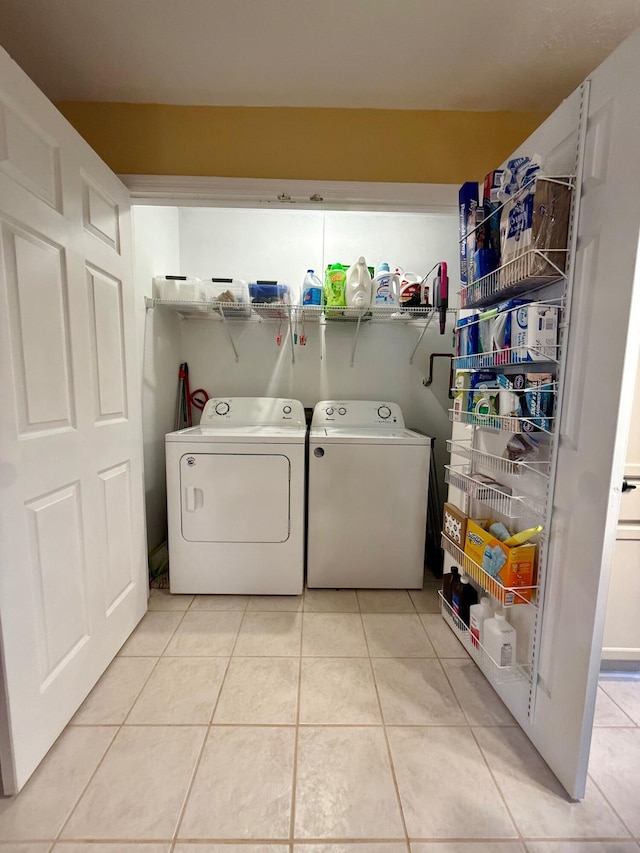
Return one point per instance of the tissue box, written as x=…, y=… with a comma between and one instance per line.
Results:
x=535, y=333
x=454, y=524
x=528, y=395
x=518, y=569
x=467, y=206
x=537, y=218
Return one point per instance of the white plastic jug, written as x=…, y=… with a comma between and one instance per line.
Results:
x=412, y=291
x=385, y=284
x=499, y=640
x=358, y=285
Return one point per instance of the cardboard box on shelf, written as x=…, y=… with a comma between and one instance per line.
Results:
x=454, y=524
x=511, y=568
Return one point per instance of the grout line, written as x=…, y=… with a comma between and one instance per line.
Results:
x=610, y=804
x=620, y=708
x=119, y=727
x=386, y=740
x=495, y=782
x=294, y=780
x=207, y=735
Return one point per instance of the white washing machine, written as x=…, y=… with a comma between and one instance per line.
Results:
x=368, y=485
x=235, y=498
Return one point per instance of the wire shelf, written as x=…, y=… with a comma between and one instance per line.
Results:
x=515, y=355
x=492, y=670
x=511, y=506
x=507, y=596
x=497, y=463
x=507, y=423
x=530, y=271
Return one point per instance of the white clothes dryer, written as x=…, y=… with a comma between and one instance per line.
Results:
x=368, y=483
x=235, y=498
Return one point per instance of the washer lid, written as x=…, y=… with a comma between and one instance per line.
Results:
x=344, y=435
x=293, y=434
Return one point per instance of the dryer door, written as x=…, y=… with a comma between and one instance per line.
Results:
x=229, y=497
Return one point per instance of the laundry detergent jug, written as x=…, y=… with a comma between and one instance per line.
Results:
x=334, y=286
x=385, y=285
x=358, y=285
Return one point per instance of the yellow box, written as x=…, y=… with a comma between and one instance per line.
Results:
x=517, y=571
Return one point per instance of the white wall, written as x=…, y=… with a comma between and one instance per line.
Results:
x=156, y=252
x=281, y=245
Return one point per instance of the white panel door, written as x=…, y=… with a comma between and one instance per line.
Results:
x=622, y=627
x=72, y=547
x=602, y=358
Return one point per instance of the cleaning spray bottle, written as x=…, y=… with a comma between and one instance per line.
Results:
x=385, y=284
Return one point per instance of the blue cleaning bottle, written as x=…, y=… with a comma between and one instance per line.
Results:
x=311, y=289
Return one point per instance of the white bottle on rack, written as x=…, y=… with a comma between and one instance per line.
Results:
x=499, y=639
x=478, y=615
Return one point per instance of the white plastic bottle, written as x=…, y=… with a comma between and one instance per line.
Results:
x=385, y=285
x=499, y=639
x=358, y=285
x=311, y=289
x=478, y=615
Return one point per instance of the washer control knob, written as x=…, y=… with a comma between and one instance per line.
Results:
x=384, y=412
x=329, y=410
x=342, y=410
x=286, y=410
x=222, y=408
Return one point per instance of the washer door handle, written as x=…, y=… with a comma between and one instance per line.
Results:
x=190, y=500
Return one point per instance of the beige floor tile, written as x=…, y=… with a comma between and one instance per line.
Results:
x=427, y=600
x=111, y=699
x=231, y=848
x=385, y=601
x=467, y=847
x=416, y=692
x=220, y=602
x=373, y=847
x=139, y=788
x=445, y=786
x=207, y=634
x=266, y=603
x=106, y=847
x=40, y=809
x=626, y=694
x=608, y=713
x=180, y=691
x=444, y=640
x=162, y=599
x=269, y=635
x=152, y=634
x=259, y=690
x=396, y=635
x=614, y=765
x=481, y=704
x=333, y=635
x=26, y=847
x=338, y=691
x=344, y=785
x=581, y=847
x=243, y=785
x=537, y=801
x=331, y=600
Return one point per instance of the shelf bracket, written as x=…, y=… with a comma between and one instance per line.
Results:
x=293, y=351
x=229, y=335
x=428, y=381
x=355, y=340
x=426, y=326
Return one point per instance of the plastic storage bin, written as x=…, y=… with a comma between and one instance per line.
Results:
x=232, y=291
x=267, y=295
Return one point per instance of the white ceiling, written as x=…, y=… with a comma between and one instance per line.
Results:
x=390, y=54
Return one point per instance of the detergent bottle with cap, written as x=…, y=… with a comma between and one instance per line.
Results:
x=334, y=285
x=385, y=285
x=311, y=289
x=358, y=285
x=499, y=639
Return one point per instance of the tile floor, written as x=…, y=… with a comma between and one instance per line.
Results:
x=337, y=722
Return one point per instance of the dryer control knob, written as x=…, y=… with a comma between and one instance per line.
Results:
x=384, y=412
x=222, y=408
x=342, y=410
x=329, y=410
x=286, y=410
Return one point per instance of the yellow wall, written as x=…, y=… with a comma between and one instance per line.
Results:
x=312, y=144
